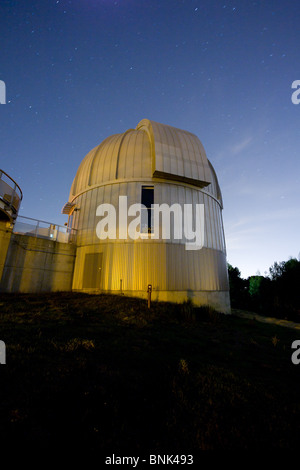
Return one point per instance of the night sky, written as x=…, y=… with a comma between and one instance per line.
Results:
x=78, y=71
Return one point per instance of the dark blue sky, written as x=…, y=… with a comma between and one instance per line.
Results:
x=78, y=71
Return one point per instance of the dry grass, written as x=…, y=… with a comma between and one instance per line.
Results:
x=109, y=374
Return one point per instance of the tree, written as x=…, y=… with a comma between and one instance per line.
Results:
x=276, y=271
x=285, y=277
x=275, y=295
x=260, y=293
x=238, y=288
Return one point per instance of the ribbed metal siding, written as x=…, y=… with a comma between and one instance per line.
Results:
x=85, y=219
x=165, y=266
x=164, y=263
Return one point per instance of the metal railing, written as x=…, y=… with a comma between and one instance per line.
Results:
x=10, y=194
x=41, y=229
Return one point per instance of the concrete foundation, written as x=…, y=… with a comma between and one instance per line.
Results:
x=220, y=301
x=36, y=265
x=5, y=235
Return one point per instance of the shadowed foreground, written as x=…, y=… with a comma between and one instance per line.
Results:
x=106, y=373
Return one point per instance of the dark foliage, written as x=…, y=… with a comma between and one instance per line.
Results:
x=275, y=295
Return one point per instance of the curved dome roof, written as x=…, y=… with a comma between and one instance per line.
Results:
x=151, y=150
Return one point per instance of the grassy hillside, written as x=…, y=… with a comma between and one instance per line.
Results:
x=109, y=374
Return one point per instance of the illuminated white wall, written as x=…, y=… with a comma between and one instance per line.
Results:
x=175, y=164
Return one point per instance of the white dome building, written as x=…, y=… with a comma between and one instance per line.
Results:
x=152, y=164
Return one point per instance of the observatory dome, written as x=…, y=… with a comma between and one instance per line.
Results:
x=151, y=150
x=152, y=165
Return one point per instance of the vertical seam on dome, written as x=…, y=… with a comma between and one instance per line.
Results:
x=196, y=150
x=163, y=139
x=126, y=154
x=147, y=126
x=183, y=159
x=92, y=165
x=174, y=142
x=116, y=145
x=118, y=155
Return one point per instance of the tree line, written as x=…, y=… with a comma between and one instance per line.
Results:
x=277, y=294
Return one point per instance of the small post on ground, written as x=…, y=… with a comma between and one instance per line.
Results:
x=149, y=290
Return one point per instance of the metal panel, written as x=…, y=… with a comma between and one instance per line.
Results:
x=172, y=144
x=92, y=270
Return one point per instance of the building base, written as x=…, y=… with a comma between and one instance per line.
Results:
x=219, y=300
